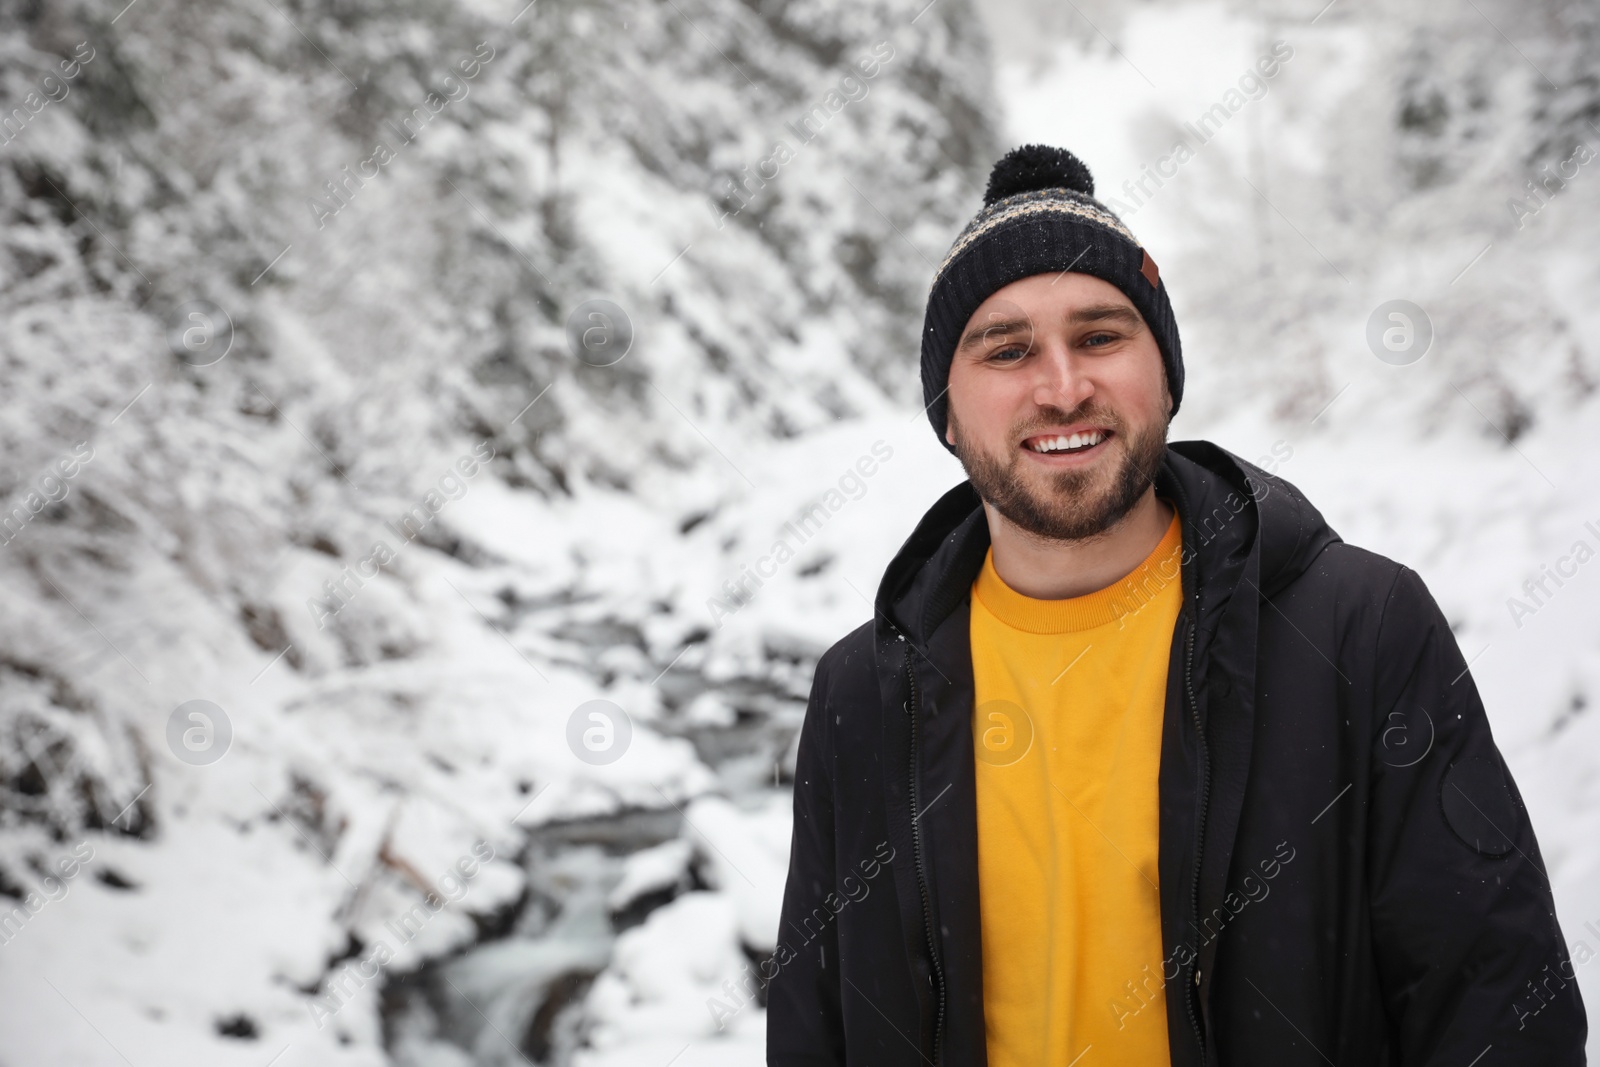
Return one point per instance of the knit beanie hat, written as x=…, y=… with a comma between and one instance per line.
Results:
x=1039, y=216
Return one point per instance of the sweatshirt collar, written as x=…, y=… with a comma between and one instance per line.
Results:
x=1114, y=602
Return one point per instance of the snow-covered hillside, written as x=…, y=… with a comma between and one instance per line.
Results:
x=398, y=508
x=295, y=427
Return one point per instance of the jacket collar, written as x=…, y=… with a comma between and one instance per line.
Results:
x=1229, y=509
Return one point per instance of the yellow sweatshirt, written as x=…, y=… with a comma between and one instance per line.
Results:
x=1067, y=712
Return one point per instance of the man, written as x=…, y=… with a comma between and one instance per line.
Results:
x=1138, y=761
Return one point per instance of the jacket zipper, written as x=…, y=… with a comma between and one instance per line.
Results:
x=1192, y=993
x=916, y=853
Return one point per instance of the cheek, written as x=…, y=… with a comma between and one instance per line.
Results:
x=1140, y=384
x=986, y=406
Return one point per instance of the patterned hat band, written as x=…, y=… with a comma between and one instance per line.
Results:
x=1032, y=205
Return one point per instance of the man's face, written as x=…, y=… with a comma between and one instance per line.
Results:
x=1043, y=358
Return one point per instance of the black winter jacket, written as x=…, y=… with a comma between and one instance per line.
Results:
x=1347, y=873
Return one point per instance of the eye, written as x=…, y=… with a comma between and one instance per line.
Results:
x=1001, y=355
x=1099, y=340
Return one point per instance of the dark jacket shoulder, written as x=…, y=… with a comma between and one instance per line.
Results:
x=847, y=669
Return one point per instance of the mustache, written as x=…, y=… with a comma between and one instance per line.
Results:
x=1055, y=416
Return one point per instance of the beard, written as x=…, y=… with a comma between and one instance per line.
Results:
x=1069, y=505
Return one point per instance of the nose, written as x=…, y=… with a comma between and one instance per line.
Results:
x=1059, y=378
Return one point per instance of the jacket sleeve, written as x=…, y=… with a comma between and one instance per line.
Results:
x=1469, y=953
x=805, y=1027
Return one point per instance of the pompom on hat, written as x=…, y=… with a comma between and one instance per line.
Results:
x=1039, y=216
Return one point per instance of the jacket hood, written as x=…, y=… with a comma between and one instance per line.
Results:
x=1230, y=510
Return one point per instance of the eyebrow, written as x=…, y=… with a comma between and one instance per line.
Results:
x=1097, y=312
x=1093, y=313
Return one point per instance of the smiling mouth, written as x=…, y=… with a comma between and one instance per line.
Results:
x=1067, y=444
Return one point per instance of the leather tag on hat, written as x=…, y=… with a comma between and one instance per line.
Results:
x=1151, y=272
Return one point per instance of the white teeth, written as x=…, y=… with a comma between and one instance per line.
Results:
x=1077, y=440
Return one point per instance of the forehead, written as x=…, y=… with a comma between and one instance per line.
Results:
x=1046, y=298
